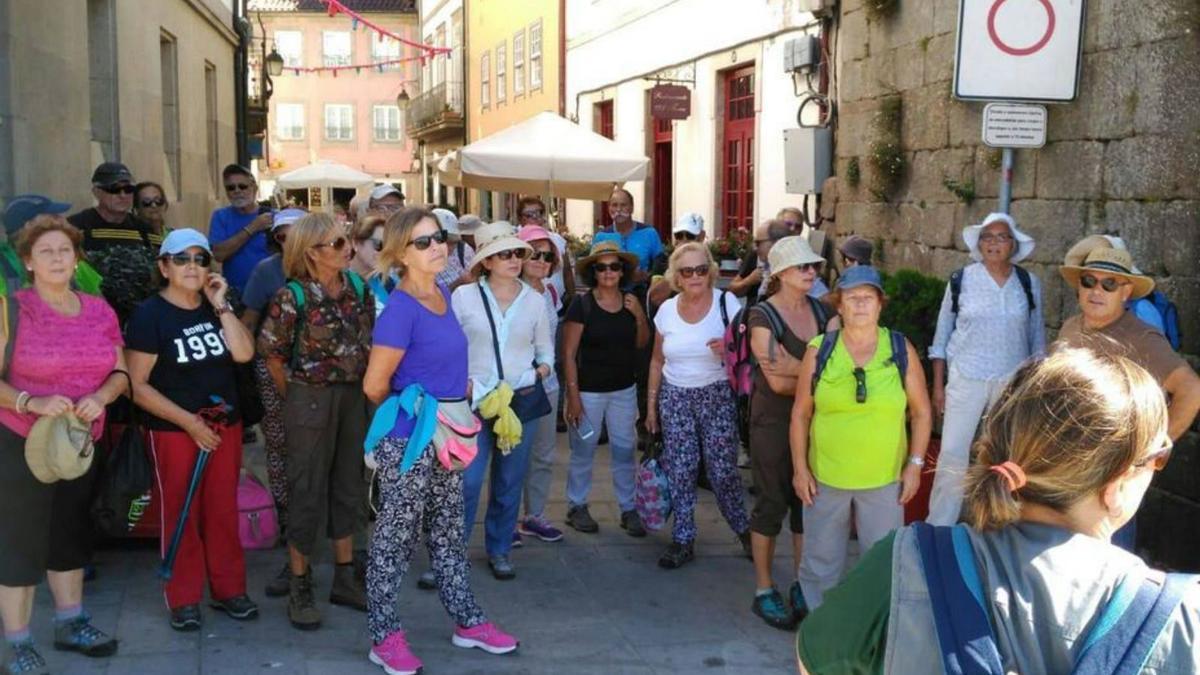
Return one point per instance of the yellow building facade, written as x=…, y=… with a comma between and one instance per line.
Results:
x=513, y=72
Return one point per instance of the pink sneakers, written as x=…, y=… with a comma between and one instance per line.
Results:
x=485, y=636
x=394, y=656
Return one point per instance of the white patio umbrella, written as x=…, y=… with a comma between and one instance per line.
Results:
x=549, y=156
x=324, y=174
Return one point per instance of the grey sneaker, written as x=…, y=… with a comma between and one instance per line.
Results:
x=302, y=608
x=427, y=581
x=24, y=658
x=502, y=568
x=631, y=522
x=278, y=587
x=239, y=607
x=348, y=590
x=579, y=518
x=79, y=635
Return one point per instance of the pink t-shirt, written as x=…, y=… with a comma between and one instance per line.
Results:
x=56, y=354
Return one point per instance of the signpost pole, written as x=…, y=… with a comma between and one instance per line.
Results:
x=1006, y=175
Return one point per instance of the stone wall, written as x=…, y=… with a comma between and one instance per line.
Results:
x=1122, y=159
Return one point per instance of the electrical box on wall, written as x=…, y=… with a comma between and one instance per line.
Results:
x=801, y=54
x=818, y=7
x=807, y=159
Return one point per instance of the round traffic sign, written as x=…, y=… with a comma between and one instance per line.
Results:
x=1020, y=51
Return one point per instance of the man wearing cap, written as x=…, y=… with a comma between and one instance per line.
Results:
x=238, y=231
x=20, y=210
x=119, y=245
x=386, y=198
x=459, y=253
x=640, y=239
x=856, y=250
x=1105, y=282
x=688, y=227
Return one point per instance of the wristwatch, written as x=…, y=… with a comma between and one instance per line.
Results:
x=224, y=308
x=916, y=461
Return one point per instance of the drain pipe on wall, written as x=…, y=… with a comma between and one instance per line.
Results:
x=7, y=171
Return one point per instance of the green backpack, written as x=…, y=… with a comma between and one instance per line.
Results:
x=297, y=290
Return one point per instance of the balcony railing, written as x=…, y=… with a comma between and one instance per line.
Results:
x=436, y=110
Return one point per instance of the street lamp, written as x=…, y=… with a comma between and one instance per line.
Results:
x=402, y=98
x=274, y=63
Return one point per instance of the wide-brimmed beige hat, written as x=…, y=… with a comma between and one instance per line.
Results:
x=1024, y=242
x=790, y=252
x=59, y=448
x=629, y=260
x=493, y=238
x=1111, y=261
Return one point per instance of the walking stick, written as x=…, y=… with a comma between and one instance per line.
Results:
x=217, y=414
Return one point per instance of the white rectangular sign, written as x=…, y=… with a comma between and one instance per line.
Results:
x=1014, y=125
x=1019, y=50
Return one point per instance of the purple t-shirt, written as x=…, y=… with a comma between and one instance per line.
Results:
x=435, y=349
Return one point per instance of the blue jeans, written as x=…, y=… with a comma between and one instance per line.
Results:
x=618, y=412
x=504, y=488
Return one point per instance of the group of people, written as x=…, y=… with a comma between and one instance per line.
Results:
x=419, y=354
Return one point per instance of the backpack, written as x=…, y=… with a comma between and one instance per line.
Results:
x=739, y=358
x=125, y=479
x=1169, y=314
x=956, y=280
x=1118, y=644
x=10, y=309
x=899, y=354
x=297, y=290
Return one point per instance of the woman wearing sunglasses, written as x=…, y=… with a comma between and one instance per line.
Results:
x=689, y=391
x=990, y=321
x=510, y=348
x=1063, y=461
x=181, y=346
x=852, y=453
x=418, y=355
x=367, y=235
x=150, y=204
x=315, y=339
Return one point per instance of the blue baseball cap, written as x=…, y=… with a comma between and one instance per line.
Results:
x=181, y=240
x=860, y=275
x=24, y=208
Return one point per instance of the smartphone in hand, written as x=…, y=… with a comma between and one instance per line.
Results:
x=584, y=428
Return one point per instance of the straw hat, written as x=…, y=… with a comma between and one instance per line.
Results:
x=59, y=448
x=493, y=238
x=790, y=252
x=604, y=248
x=1112, y=261
x=1021, y=251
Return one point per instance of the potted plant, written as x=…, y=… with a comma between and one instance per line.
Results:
x=728, y=251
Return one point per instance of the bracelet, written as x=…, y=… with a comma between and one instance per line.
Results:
x=22, y=405
x=225, y=308
x=916, y=461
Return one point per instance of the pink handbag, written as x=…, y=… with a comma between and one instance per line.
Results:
x=258, y=526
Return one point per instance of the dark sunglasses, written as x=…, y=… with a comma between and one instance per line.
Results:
x=685, y=236
x=422, y=243
x=234, y=187
x=688, y=272
x=814, y=266
x=182, y=259
x=546, y=256
x=607, y=267
x=119, y=189
x=1109, y=284
x=157, y=201
x=532, y=214
x=1157, y=460
x=376, y=244
x=860, y=385
x=520, y=253
x=337, y=244
x=281, y=237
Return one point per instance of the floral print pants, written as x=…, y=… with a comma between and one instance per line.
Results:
x=273, y=442
x=429, y=492
x=699, y=420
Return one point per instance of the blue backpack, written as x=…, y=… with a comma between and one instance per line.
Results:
x=899, y=354
x=1168, y=313
x=1119, y=644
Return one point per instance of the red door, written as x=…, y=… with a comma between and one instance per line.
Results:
x=602, y=120
x=662, y=178
x=737, y=189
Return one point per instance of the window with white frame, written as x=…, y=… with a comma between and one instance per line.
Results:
x=289, y=121
x=485, y=79
x=518, y=69
x=339, y=122
x=335, y=48
x=384, y=48
x=501, y=82
x=386, y=123
x=535, y=55
x=290, y=45
x=427, y=70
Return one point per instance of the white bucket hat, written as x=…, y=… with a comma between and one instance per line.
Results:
x=790, y=252
x=1021, y=251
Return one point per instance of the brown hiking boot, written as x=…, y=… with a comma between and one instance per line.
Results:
x=302, y=609
x=348, y=589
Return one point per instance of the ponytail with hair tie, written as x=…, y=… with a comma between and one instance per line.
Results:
x=1012, y=473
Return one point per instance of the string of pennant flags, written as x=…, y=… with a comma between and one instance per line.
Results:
x=334, y=7
x=356, y=67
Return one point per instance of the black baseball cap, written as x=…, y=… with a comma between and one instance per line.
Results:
x=111, y=173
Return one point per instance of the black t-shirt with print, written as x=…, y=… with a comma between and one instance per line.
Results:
x=607, y=348
x=194, y=362
x=123, y=253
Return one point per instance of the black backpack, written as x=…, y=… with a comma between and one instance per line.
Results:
x=956, y=280
x=123, y=486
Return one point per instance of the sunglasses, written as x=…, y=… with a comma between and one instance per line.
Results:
x=337, y=244
x=532, y=214
x=422, y=243
x=685, y=236
x=1157, y=460
x=235, y=187
x=182, y=259
x=281, y=237
x=1003, y=238
x=157, y=201
x=814, y=266
x=1109, y=284
x=520, y=253
x=860, y=385
x=376, y=244
x=545, y=256
x=120, y=189
x=689, y=272
x=607, y=267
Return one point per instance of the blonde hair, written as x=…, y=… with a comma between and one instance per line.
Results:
x=397, y=233
x=364, y=227
x=306, y=233
x=1073, y=422
x=672, y=275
